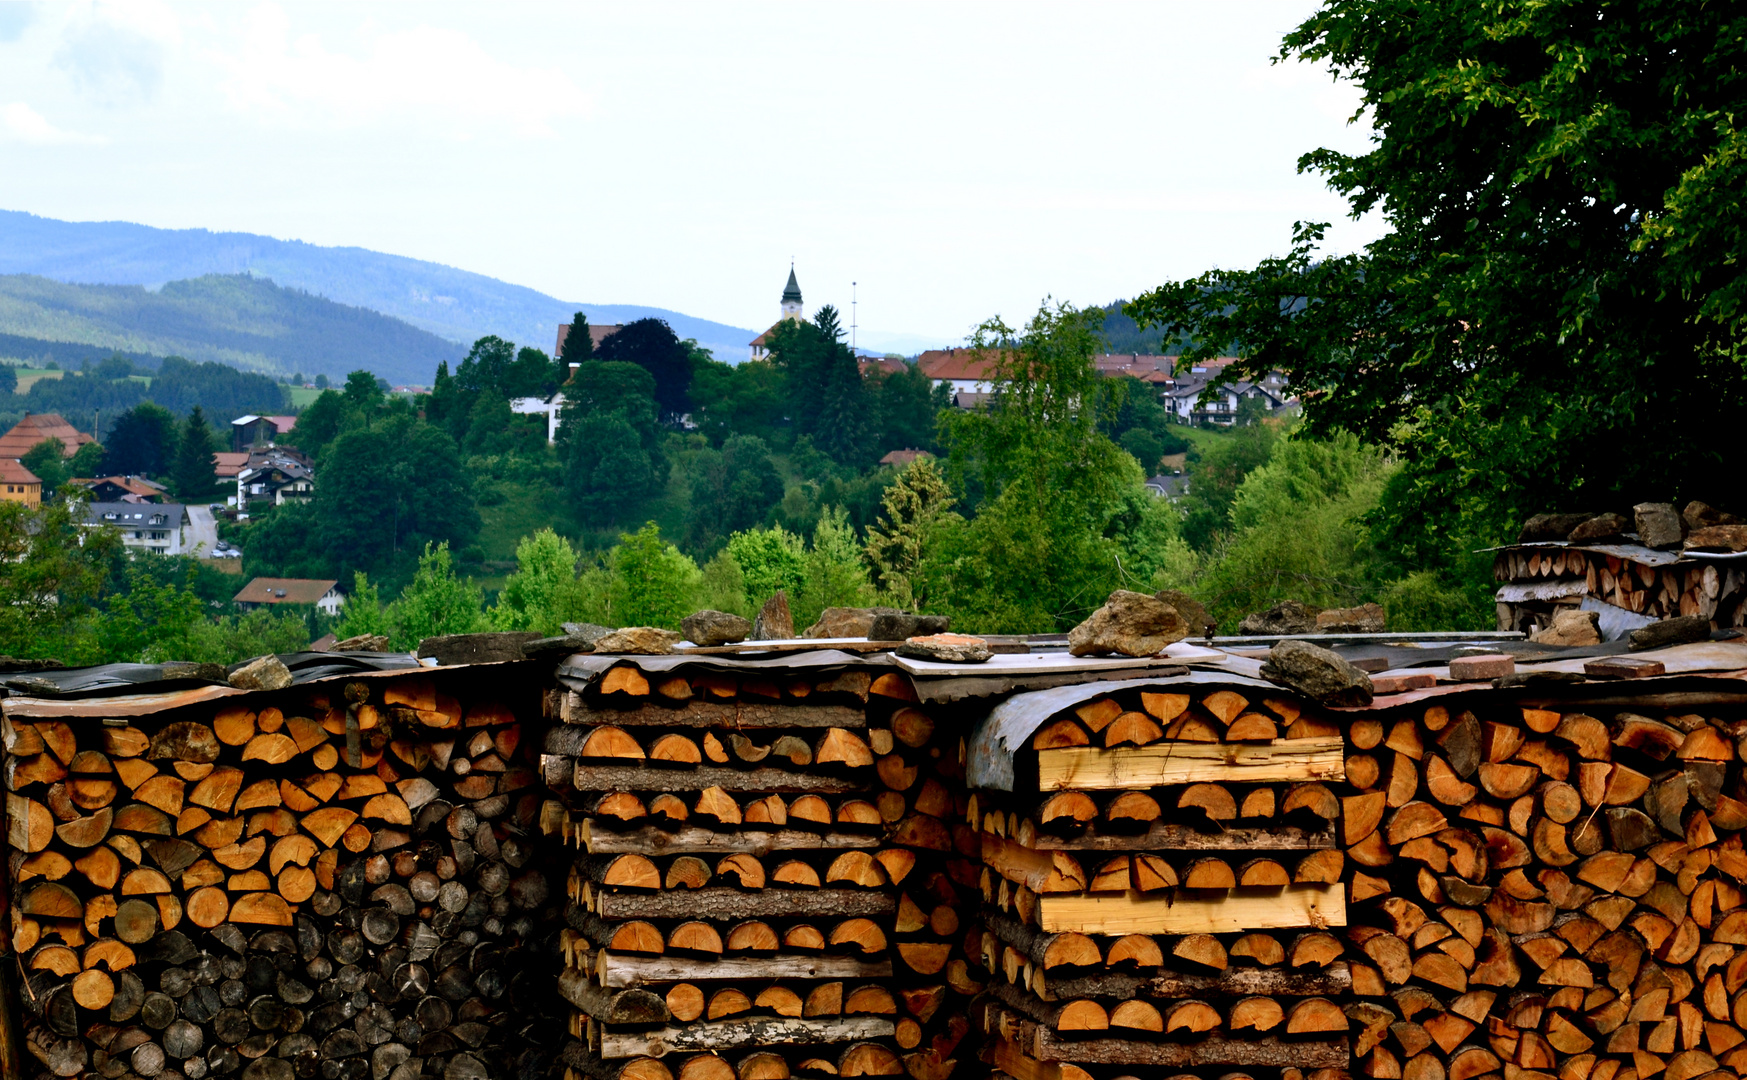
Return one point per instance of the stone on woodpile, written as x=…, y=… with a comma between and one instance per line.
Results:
x=1658, y=525
x=846, y=622
x=638, y=641
x=1544, y=527
x=1571, y=627
x=1701, y=515
x=1318, y=673
x=947, y=649
x=362, y=643
x=1682, y=630
x=1717, y=538
x=587, y=632
x=1364, y=619
x=1286, y=617
x=1599, y=528
x=262, y=673
x=1194, y=615
x=494, y=648
x=710, y=627
x=901, y=626
x=774, y=623
x=188, y=669
x=1130, y=623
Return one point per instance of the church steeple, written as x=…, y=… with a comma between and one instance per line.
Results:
x=792, y=297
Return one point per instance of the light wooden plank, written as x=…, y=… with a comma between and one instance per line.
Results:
x=721, y=902
x=656, y=778
x=743, y=1034
x=616, y=970
x=1088, y=768
x=1163, y=837
x=1184, y=911
x=710, y=714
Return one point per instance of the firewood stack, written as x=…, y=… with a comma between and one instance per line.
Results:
x=1541, y=580
x=764, y=888
x=335, y=880
x=1545, y=892
x=1163, y=888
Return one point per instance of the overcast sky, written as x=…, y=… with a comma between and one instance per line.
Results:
x=957, y=160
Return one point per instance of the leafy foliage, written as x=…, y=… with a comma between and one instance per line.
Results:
x=652, y=345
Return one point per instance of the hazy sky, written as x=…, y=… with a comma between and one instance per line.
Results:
x=957, y=160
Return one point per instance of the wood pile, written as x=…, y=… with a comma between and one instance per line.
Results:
x=1543, y=579
x=336, y=880
x=768, y=884
x=1164, y=889
x=1541, y=892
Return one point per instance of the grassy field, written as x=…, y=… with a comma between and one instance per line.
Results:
x=302, y=396
x=29, y=377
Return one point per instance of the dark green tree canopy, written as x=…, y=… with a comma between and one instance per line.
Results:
x=141, y=441
x=578, y=342
x=1554, y=320
x=192, y=477
x=652, y=345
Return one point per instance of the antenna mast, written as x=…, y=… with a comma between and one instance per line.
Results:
x=852, y=318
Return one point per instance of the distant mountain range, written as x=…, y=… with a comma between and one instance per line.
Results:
x=444, y=302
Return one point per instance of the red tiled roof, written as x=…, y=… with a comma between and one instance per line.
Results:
x=227, y=465
x=597, y=333
x=972, y=364
x=37, y=428
x=131, y=485
x=888, y=364
x=266, y=590
x=904, y=457
x=11, y=472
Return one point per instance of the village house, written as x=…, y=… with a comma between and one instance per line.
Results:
x=898, y=459
x=40, y=427
x=18, y=484
x=120, y=488
x=249, y=431
x=275, y=476
x=552, y=408
x=226, y=464
x=160, y=528
x=792, y=311
x=324, y=596
x=963, y=371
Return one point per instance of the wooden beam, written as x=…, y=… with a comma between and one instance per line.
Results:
x=612, y=1006
x=1089, y=768
x=1188, y=911
x=743, y=1034
x=617, y=971
x=655, y=778
x=729, y=903
x=1320, y=1054
x=653, y=840
x=731, y=714
x=1162, y=837
x=1233, y=982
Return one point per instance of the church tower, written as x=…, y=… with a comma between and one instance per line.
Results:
x=792, y=312
x=792, y=298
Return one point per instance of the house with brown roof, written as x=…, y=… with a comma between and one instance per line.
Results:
x=325, y=596
x=900, y=458
x=121, y=488
x=252, y=430
x=597, y=334
x=227, y=464
x=40, y=427
x=19, y=484
x=963, y=371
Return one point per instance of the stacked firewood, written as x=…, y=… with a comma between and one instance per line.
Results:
x=1164, y=888
x=1543, y=891
x=1659, y=585
x=764, y=889
x=329, y=881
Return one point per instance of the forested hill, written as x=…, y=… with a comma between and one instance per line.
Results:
x=450, y=303
x=246, y=322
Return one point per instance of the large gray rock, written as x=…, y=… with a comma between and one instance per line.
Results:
x=947, y=649
x=846, y=622
x=638, y=641
x=1658, y=525
x=901, y=625
x=774, y=623
x=1550, y=527
x=492, y=648
x=1682, y=630
x=1129, y=623
x=1600, y=528
x=262, y=673
x=1571, y=628
x=1317, y=673
x=1364, y=619
x=586, y=632
x=1286, y=617
x=710, y=627
x=1194, y=615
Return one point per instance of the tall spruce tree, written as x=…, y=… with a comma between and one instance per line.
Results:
x=192, y=477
